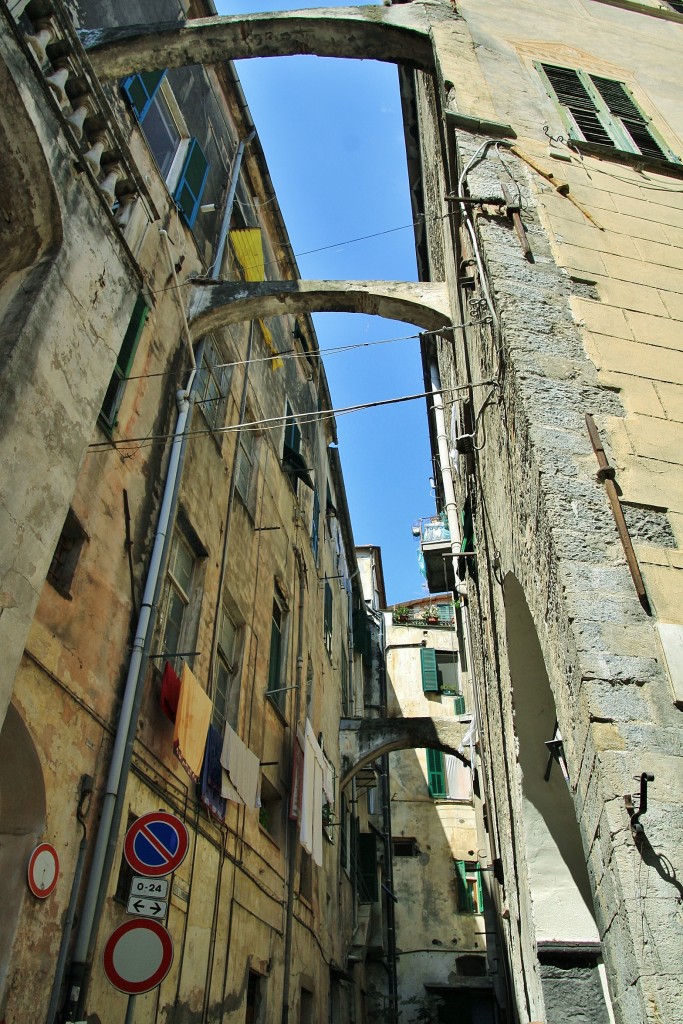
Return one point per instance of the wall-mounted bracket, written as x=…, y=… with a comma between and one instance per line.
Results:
x=636, y=825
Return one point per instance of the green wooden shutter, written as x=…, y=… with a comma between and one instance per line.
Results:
x=430, y=676
x=368, y=890
x=140, y=90
x=315, y=525
x=479, y=899
x=462, y=889
x=436, y=777
x=634, y=121
x=459, y=705
x=193, y=177
x=124, y=362
x=573, y=95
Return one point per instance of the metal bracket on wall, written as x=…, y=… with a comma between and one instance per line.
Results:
x=606, y=475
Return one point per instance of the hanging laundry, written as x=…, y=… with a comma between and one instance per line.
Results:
x=241, y=770
x=311, y=819
x=170, y=691
x=192, y=724
x=297, y=778
x=210, y=786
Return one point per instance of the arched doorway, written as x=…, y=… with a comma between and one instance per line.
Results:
x=566, y=934
x=22, y=821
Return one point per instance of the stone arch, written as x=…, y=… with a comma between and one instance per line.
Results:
x=22, y=822
x=393, y=34
x=216, y=305
x=562, y=910
x=31, y=230
x=363, y=740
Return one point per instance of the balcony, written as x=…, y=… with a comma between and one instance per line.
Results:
x=435, y=545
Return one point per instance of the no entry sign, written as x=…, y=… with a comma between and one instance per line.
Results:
x=156, y=844
x=138, y=956
x=43, y=870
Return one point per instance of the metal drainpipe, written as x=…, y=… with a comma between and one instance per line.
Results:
x=291, y=823
x=386, y=829
x=120, y=756
x=229, y=200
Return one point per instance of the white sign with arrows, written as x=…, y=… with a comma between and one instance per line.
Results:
x=144, y=907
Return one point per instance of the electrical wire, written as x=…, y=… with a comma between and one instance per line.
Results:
x=276, y=422
x=291, y=353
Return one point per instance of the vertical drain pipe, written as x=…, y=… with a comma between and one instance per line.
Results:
x=229, y=200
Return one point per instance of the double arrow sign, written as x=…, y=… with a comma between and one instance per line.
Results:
x=148, y=897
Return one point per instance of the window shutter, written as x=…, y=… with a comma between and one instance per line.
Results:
x=479, y=898
x=315, y=525
x=622, y=106
x=572, y=94
x=124, y=361
x=193, y=177
x=459, y=705
x=462, y=890
x=327, y=616
x=140, y=90
x=368, y=891
x=435, y=774
x=430, y=677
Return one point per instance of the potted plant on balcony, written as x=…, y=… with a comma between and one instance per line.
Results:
x=401, y=613
x=431, y=615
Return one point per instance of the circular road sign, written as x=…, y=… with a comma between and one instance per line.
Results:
x=156, y=844
x=138, y=956
x=43, y=870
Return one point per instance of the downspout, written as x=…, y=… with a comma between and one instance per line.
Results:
x=386, y=830
x=119, y=764
x=291, y=822
x=229, y=201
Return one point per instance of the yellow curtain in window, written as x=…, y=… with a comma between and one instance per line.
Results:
x=275, y=362
x=248, y=247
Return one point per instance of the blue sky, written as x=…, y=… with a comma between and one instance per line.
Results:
x=333, y=138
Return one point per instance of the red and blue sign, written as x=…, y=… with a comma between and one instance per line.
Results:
x=156, y=844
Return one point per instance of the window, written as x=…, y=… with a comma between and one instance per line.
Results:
x=327, y=616
x=468, y=886
x=213, y=384
x=226, y=691
x=675, y=5
x=306, y=876
x=344, y=670
x=175, y=597
x=306, y=1007
x=65, y=558
x=246, y=457
x=602, y=112
x=405, y=847
x=368, y=888
x=153, y=103
x=114, y=394
x=344, y=834
x=315, y=525
x=277, y=651
x=292, y=460
x=253, y=998
x=270, y=811
x=436, y=775
x=439, y=671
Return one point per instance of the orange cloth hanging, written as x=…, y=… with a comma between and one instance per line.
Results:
x=191, y=724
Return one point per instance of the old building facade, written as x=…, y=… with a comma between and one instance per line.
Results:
x=544, y=144
x=181, y=521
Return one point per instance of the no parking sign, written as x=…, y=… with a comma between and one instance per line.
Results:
x=156, y=844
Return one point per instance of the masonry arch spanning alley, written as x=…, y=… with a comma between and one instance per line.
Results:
x=363, y=740
x=395, y=34
x=217, y=305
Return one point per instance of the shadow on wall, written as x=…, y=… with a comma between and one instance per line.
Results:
x=22, y=822
x=560, y=889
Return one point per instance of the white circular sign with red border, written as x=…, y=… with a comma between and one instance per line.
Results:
x=138, y=956
x=43, y=870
